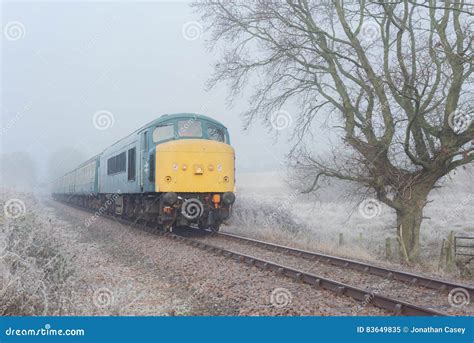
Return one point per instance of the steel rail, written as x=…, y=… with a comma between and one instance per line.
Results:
x=413, y=279
x=396, y=306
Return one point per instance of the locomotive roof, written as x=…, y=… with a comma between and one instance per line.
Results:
x=162, y=119
x=166, y=117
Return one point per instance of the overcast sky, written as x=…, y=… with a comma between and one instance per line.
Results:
x=63, y=62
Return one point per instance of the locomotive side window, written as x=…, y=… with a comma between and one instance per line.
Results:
x=190, y=128
x=116, y=164
x=163, y=132
x=215, y=133
x=131, y=164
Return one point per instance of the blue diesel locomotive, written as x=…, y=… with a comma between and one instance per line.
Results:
x=176, y=170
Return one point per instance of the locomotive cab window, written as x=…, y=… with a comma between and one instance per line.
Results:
x=215, y=133
x=163, y=132
x=190, y=128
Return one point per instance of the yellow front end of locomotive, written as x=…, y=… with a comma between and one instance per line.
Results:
x=194, y=166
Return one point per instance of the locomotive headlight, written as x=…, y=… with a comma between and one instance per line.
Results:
x=175, y=166
x=210, y=167
x=184, y=167
x=170, y=198
x=228, y=198
x=219, y=167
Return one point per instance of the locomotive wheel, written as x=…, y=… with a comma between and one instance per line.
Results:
x=166, y=227
x=214, y=229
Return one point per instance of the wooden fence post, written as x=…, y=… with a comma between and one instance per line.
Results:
x=442, y=255
x=341, y=239
x=388, y=249
x=449, y=252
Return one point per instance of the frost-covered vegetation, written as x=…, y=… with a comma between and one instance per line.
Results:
x=35, y=268
x=267, y=207
x=47, y=268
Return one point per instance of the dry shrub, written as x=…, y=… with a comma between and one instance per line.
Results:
x=35, y=273
x=278, y=224
x=253, y=215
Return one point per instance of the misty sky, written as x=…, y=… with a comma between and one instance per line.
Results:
x=131, y=59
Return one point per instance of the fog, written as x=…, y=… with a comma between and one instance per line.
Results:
x=64, y=62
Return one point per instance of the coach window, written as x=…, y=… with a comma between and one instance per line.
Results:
x=190, y=128
x=163, y=132
x=121, y=162
x=116, y=164
x=215, y=133
x=111, y=165
x=131, y=164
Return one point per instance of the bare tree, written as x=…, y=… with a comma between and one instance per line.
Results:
x=395, y=75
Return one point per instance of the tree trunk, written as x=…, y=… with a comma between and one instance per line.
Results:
x=408, y=224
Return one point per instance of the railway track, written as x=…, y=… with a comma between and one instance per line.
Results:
x=382, y=281
x=410, y=278
x=394, y=305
